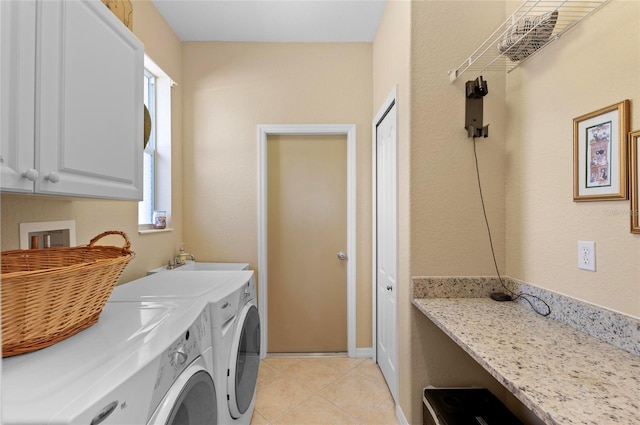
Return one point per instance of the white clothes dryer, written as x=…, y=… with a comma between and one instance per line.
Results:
x=236, y=339
x=207, y=287
x=159, y=287
x=141, y=363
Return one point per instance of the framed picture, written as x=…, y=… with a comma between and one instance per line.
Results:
x=634, y=144
x=600, y=154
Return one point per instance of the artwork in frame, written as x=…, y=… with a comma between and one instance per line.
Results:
x=600, y=170
x=634, y=150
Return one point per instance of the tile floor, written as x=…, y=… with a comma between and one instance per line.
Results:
x=322, y=391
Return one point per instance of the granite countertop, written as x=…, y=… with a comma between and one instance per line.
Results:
x=563, y=375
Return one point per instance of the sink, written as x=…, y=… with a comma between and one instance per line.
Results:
x=202, y=266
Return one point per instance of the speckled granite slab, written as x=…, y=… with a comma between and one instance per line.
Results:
x=563, y=375
x=456, y=286
x=615, y=328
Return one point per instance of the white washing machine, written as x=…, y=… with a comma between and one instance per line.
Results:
x=235, y=325
x=142, y=363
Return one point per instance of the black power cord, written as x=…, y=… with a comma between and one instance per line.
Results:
x=514, y=295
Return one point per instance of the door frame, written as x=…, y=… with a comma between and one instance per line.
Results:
x=264, y=131
x=392, y=99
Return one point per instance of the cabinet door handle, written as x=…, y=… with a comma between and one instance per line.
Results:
x=31, y=174
x=53, y=177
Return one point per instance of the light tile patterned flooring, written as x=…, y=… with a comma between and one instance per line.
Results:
x=322, y=391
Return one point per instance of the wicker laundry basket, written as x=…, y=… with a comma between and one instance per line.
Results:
x=51, y=294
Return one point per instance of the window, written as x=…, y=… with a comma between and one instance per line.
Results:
x=157, y=154
x=148, y=203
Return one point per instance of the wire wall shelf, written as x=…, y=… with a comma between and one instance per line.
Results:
x=528, y=30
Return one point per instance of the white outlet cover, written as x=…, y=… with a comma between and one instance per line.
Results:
x=587, y=255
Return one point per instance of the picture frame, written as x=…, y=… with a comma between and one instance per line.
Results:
x=634, y=153
x=600, y=167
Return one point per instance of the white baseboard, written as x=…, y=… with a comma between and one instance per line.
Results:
x=362, y=353
x=400, y=415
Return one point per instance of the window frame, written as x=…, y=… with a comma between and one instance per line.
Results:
x=149, y=152
x=161, y=135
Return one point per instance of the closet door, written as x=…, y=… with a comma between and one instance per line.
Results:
x=89, y=102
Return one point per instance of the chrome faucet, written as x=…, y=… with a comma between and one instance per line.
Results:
x=182, y=256
x=172, y=264
x=180, y=260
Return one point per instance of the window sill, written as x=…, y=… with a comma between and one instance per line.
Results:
x=147, y=231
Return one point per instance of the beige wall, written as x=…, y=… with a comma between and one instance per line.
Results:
x=94, y=217
x=448, y=234
x=594, y=65
x=231, y=88
x=535, y=223
x=391, y=68
x=440, y=217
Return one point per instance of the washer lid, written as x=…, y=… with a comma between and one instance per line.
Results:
x=81, y=369
x=189, y=284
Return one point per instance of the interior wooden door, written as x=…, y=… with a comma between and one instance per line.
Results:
x=306, y=231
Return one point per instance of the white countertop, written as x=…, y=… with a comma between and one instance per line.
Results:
x=69, y=382
x=563, y=375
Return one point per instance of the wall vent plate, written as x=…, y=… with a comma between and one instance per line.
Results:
x=62, y=233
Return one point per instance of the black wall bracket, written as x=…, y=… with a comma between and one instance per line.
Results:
x=475, y=91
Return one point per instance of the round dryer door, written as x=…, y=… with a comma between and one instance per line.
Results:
x=190, y=401
x=244, y=362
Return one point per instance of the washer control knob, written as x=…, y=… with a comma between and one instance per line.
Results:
x=179, y=357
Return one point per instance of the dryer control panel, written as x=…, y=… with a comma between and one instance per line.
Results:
x=227, y=308
x=249, y=291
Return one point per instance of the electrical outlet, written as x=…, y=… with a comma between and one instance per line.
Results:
x=587, y=255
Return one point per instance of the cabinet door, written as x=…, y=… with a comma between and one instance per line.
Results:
x=17, y=85
x=89, y=102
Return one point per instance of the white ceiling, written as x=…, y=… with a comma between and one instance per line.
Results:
x=273, y=20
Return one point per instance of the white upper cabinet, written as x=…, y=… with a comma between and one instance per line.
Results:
x=17, y=94
x=86, y=101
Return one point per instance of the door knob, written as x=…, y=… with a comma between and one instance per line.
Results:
x=342, y=256
x=389, y=288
